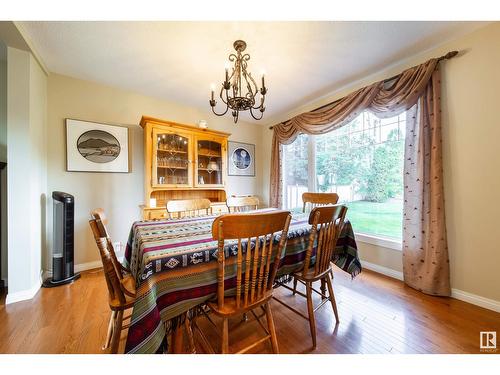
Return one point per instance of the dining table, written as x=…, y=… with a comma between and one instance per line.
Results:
x=174, y=263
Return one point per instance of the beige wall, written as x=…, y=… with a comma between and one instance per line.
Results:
x=119, y=194
x=471, y=132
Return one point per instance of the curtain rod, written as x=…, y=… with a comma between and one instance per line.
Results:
x=447, y=56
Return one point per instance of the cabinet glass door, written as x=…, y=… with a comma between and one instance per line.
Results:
x=171, y=166
x=210, y=155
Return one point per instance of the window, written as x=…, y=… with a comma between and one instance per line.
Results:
x=363, y=163
x=295, y=164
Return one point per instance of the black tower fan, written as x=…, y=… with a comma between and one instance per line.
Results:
x=63, y=243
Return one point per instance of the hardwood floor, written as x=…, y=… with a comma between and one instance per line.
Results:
x=377, y=315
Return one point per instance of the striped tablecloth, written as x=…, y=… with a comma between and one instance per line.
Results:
x=175, y=265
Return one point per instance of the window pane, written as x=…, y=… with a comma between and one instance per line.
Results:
x=389, y=132
x=295, y=172
x=357, y=124
x=365, y=168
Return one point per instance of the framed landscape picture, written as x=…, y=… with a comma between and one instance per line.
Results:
x=95, y=147
x=241, y=159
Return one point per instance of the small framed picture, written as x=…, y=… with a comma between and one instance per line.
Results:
x=241, y=159
x=95, y=147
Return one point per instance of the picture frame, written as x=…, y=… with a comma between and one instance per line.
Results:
x=96, y=147
x=241, y=159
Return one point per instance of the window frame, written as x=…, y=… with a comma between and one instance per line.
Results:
x=377, y=240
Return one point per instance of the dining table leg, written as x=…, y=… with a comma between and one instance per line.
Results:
x=177, y=339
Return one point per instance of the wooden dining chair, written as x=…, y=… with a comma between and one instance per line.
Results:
x=188, y=207
x=121, y=290
x=255, y=268
x=122, y=272
x=318, y=199
x=99, y=215
x=243, y=203
x=326, y=225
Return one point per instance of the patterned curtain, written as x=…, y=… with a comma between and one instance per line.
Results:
x=415, y=90
x=425, y=250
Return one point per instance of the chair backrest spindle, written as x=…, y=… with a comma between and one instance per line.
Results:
x=326, y=225
x=255, y=269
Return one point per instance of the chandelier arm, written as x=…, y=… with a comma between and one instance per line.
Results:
x=261, y=105
x=234, y=77
x=257, y=118
x=231, y=76
x=250, y=94
x=256, y=88
x=222, y=98
x=220, y=114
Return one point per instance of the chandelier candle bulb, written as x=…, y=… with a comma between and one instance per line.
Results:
x=226, y=67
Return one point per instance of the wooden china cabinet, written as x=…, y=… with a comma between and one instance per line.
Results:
x=182, y=162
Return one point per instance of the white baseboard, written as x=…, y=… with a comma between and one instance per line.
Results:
x=29, y=294
x=487, y=303
x=78, y=268
x=383, y=270
x=22, y=295
x=88, y=266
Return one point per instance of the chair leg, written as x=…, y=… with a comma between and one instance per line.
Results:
x=310, y=309
x=323, y=289
x=225, y=336
x=272, y=329
x=110, y=330
x=117, y=331
x=294, y=285
x=332, y=297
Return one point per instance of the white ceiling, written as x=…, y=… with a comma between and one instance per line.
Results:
x=178, y=61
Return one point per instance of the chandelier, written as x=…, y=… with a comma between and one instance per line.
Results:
x=239, y=90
